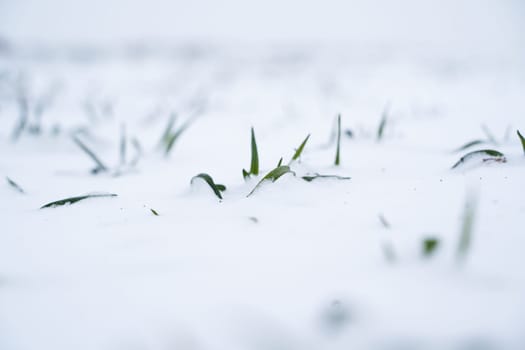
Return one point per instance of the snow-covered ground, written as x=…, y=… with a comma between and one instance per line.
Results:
x=328, y=264
x=297, y=265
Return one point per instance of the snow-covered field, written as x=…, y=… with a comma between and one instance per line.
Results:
x=326, y=264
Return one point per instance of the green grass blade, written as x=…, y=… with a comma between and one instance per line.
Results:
x=123, y=144
x=100, y=166
x=72, y=200
x=167, y=131
x=299, y=150
x=382, y=124
x=254, y=167
x=465, y=236
x=337, y=152
x=174, y=137
x=154, y=212
x=469, y=144
x=138, y=152
x=15, y=185
x=254, y=164
x=23, y=117
x=315, y=176
x=522, y=139
x=492, y=154
x=217, y=188
x=429, y=246
x=273, y=176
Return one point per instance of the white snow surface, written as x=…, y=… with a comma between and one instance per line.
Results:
x=311, y=271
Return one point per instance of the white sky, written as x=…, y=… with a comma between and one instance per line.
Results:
x=495, y=23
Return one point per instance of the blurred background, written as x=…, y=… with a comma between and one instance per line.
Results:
x=469, y=25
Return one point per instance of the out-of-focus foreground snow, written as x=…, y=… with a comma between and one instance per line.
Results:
x=298, y=265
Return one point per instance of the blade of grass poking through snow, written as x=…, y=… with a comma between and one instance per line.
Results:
x=465, y=235
x=254, y=164
x=167, y=131
x=315, y=176
x=154, y=212
x=100, y=166
x=469, y=144
x=492, y=155
x=174, y=137
x=14, y=185
x=217, y=188
x=382, y=124
x=429, y=246
x=299, y=150
x=138, y=152
x=522, y=139
x=123, y=144
x=72, y=200
x=23, y=106
x=273, y=176
x=337, y=155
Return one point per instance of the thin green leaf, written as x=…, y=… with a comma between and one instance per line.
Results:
x=23, y=104
x=174, y=137
x=123, y=144
x=492, y=154
x=273, y=176
x=280, y=162
x=469, y=144
x=382, y=124
x=154, y=212
x=254, y=164
x=167, y=131
x=254, y=167
x=429, y=246
x=100, y=166
x=315, y=176
x=72, y=200
x=299, y=150
x=138, y=152
x=465, y=236
x=15, y=185
x=337, y=155
x=522, y=139
x=217, y=188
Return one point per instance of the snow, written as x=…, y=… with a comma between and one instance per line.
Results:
x=297, y=265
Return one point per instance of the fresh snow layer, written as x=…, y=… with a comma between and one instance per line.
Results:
x=297, y=265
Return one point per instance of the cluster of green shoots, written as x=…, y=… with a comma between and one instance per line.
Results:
x=487, y=154
x=277, y=172
x=171, y=135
